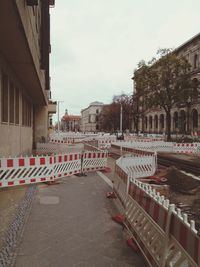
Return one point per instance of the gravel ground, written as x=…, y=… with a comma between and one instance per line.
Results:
x=13, y=220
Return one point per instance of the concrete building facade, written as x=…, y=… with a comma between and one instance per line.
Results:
x=90, y=117
x=185, y=117
x=24, y=75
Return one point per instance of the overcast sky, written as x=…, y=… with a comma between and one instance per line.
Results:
x=97, y=44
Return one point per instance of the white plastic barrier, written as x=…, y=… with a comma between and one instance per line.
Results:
x=94, y=160
x=187, y=148
x=105, y=143
x=70, y=137
x=160, y=146
x=138, y=166
x=28, y=170
x=67, y=164
x=163, y=234
x=51, y=148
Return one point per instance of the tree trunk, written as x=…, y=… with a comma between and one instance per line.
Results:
x=168, y=125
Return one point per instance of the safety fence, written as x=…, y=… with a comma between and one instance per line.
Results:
x=142, y=139
x=28, y=170
x=163, y=234
x=55, y=148
x=93, y=161
x=159, y=146
x=103, y=141
x=188, y=148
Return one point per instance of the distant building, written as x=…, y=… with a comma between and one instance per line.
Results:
x=24, y=75
x=185, y=117
x=70, y=123
x=90, y=117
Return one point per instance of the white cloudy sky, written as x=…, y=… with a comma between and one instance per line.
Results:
x=96, y=44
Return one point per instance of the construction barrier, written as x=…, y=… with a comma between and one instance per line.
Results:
x=56, y=148
x=187, y=148
x=94, y=160
x=162, y=233
x=25, y=170
x=28, y=170
x=159, y=146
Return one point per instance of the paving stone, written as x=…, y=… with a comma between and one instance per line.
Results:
x=77, y=230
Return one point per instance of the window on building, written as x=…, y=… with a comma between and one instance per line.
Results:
x=156, y=121
x=195, y=118
x=17, y=105
x=195, y=64
x=146, y=122
x=161, y=121
x=150, y=122
x=12, y=103
x=26, y=112
x=4, y=99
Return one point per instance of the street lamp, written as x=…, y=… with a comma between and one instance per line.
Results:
x=121, y=131
x=58, y=102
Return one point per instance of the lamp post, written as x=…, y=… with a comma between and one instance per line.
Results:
x=121, y=117
x=58, y=102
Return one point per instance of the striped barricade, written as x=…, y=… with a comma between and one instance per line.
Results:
x=120, y=185
x=138, y=165
x=174, y=241
x=184, y=242
x=57, y=141
x=149, y=237
x=105, y=143
x=51, y=148
x=94, y=160
x=164, y=236
x=188, y=148
x=67, y=164
x=26, y=170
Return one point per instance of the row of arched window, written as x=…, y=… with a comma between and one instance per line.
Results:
x=179, y=121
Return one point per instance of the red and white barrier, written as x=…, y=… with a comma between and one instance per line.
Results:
x=67, y=164
x=159, y=146
x=94, y=160
x=163, y=234
x=28, y=170
x=138, y=166
x=51, y=148
x=57, y=141
x=187, y=148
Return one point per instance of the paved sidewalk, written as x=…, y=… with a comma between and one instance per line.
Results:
x=70, y=225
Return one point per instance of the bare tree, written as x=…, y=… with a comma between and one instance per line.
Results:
x=164, y=82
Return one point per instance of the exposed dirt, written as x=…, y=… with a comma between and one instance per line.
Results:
x=184, y=192
x=9, y=202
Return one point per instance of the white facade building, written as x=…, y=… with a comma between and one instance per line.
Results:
x=90, y=117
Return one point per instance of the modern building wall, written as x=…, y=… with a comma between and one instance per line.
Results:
x=16, y=114
x=24, y=75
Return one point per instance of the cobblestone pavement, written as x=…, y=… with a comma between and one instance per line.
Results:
x=70, y=225
x=15, y=228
